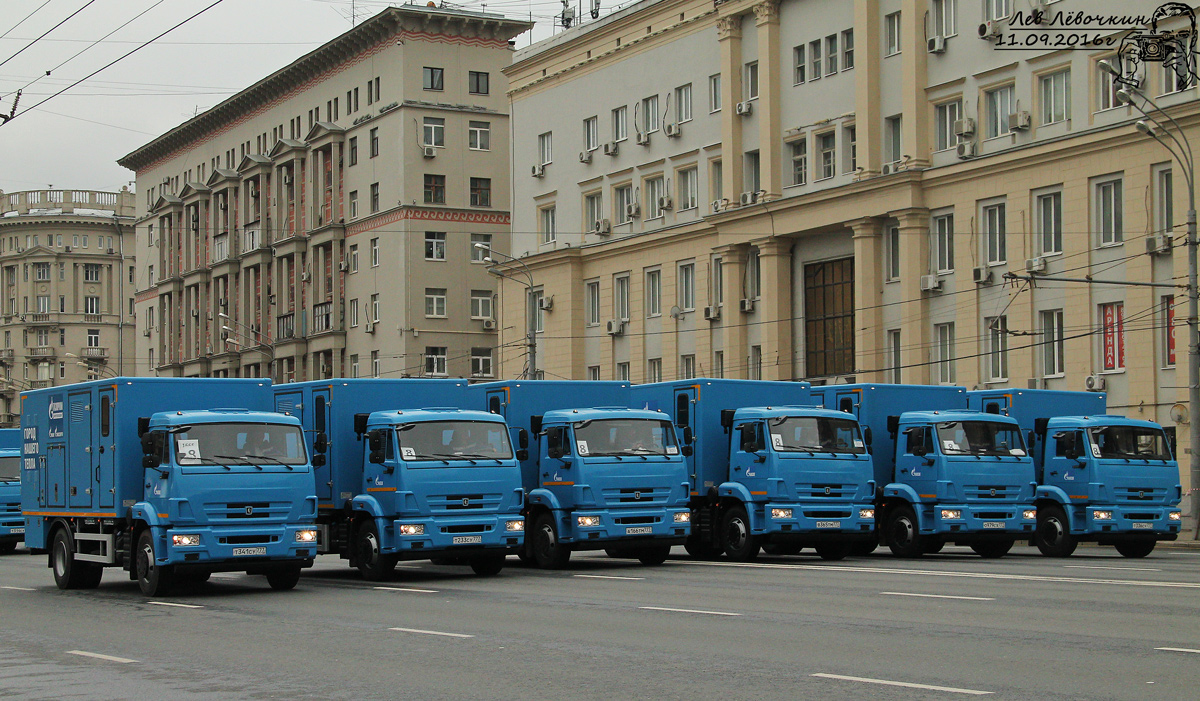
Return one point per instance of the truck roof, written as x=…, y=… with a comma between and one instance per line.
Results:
x=1100, y=421
x=215, y=416
x=405, y=416
x=598, y=413
x=954, y=415
x=771, y=412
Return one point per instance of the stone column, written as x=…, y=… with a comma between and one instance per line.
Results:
x=868, y=119
x=775, y=308
x=733, y=322
x=770, y=127
x=914, y=262
x=868, y=294
x=729, y=36
x=914, y=137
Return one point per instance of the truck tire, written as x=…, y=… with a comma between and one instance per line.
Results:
x=654, y=555
x=68, y=572
x=285, y=579
x=548, y=553
x=488, y=566
x=993, y=548
x=741, y=545
x=1053, y=535
x=864, y=547
x=700, y=548
x=777, y=549
x=833, y=551
x=1135, y=548
x=374, y=565
x=904, y=534
x=932, y=547
x=7, y=547
x=152, y=579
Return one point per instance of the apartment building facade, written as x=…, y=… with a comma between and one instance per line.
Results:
x=321, y=223
x=835, y=191
x=67, y=270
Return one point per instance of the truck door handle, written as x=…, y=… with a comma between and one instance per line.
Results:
x=904, y=471
x=737, y=469
x=97, y=473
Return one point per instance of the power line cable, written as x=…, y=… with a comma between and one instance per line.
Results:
x=18, y=24
x=61, y=23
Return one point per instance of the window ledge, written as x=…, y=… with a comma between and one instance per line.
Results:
x=1117, y=371
x=1055, y=376
x=1112, y=244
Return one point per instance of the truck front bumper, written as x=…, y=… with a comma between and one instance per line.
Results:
x=835, y=520
x=624, y=525
x=237, y=548
x=12, y=528
x=410, y=537
x=1144, y=521
x=1007, y=519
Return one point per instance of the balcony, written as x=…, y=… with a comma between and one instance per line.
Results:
x=285, y=326
x=6, y=355
x=39, y=318
x=41, y=352
x=322, y=317
x=93, y=318
x=40, y=384
x=93, y=353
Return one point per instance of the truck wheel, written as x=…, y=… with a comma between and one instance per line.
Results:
x=655, y=555
x=741, y=545
x=1135, y=548
x=700, y=548
x=68, y=572
x=374, y=565
x=833, y=551
x=932, y=547
x=993, y=548
x=152, y=579
x=548, y=553
x=1053, y=535
x=7, y=547
x=283, y=580
x=488, y=566
x=904, y=535
x=864, y=547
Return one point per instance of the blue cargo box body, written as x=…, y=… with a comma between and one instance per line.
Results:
x=12, y=523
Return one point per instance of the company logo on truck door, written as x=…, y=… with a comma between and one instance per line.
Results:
x=55, y=414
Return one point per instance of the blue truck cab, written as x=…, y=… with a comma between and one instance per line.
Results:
x=397, y=481
x=133, y=472
x=12, y=524
x=598, y=476
x=1101, y=478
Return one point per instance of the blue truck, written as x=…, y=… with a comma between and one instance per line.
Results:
x=404, y=473
x=12, y=524
x=601, y=475
x=767, y=471
x=1101, y=478
x=945, y=474
x=139, y=473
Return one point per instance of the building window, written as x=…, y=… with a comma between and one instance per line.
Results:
x=847, y=49
x=479, y=136
x=650, y=114
x=1049, y=219
x=754, y=274
x=435, y=245
x=828, y=154
x=435, y=189
x=374, y=197
x=718, y=366
x=893, y=136
x=716, y=176
x=354, y=365
x=432, y=80
x=683, y=103
x=481, y=304
x=999, y=106
x=997, y=9
x=798, y=64
x=850, y=137
x=622, y=372
x=479, y=253
x=653, y=293
x=435, y=360
x=716, y=281
x=752, y=175
x=477, y=83
x=892, y=30
x=687, y=367
x=375, y=367
x=374, y=142
x=714, y=93
x=353, y=309
x=435, y=301
x=539, y=312
x=1112, y=320
x=43, y=304
x=814, y=59
x=946, y=373
x=687, y=286
x=481, y=192
x=374, y=253
x=434, y=131
x=353, y=150
x=654, y=370
x=620, y=123
x=996, y=330
x=689, y=189
x=895, y=361
x=91, y=305
x=751, y=78
x=831, y=54
x=800, y=161
x=481, y=360
x=943, y=18
x=1053, y=350
x=829, y=318
x=654, y=198
x=892, y=253
x=1106, y=89
x=1109, y=209
x=352, y=258
x=593, y=211
x=621, y=297
x=1168, y=326
x=41, y=271
x=1178, y=77
x=593, y=373
x=622, y=198
x=755, y=369
x=354, y=204
x=943, y=241
x=1056, y=97
x=93, y=338
x=1164, y=205
x=547, y=223
x=591, y=295
x=546, y=148
x=591, y=133
x=945, y=115
x=374, y=308
x=994, y=237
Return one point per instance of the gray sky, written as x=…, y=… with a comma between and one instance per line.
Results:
x=74, y=140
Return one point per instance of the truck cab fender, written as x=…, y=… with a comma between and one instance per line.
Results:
x=365, y=503
x=1052, y=494
x=901, y=491
x=145, y=512
x=543, y=498
x=735, y=490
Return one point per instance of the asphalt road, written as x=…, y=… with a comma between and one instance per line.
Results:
x=1094, y=626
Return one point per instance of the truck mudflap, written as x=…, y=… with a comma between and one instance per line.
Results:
x=1146, y=521
x=1006, y=519
x=835, y=520
x=417, y=537
x=234, y=549
x=590, y=530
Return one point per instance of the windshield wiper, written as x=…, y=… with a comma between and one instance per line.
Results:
x=478, y=456
x=273, y=460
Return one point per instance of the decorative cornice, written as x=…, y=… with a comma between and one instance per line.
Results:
x=456, y=216
x=729, y=27
x=767, y=12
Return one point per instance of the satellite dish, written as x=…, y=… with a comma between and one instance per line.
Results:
x=676, y=312
x=1179, y=413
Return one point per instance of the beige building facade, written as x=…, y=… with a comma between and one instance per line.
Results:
x=67, y=271
x=835, y=191
x=321, y=223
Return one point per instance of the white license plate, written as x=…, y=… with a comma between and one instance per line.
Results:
x=15, y=531
x=1136, y=526
x=993, y=525
x=829, y=524
x=639, y=530
x=467, y=539
x=238, y=552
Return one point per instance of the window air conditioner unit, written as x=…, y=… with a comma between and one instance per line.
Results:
x=287, y=180
x=1094, y=383
x=146, y=333
x=370, y=327
x=745, y=108
x=616, y=327
x=643, y=138
x=672, y=130
x=1159, y=243
x=195, y=313
x=305, y=276
x=1035, y=265
x=343, y=266
x=489, y=324
x=66, y=249
x=428, y=151
x=664, y=202
x=546, y=303
x=539, y=171
x=937, y=45
x=585, y=156
x=632, y=210
x=602, y=227
x=1019, y=121
x=111, y=252
x=964, y=127
x=990, y=29
x=746, y=305
x=931, y=283
x=712, y=313
x=717, y=206
x=611, y=148
x=748, y=198
x=889, y=168
x=1036, y=383
x=981, y=275
x=966, y=150
x=1040, y=10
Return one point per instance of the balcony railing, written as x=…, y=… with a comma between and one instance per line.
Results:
x=41, y=352
x=6, y=353
x=93, y=318
x=322, y=317
x=39, y=318
x=93, y=352
x=285, y=327
x=40, y=384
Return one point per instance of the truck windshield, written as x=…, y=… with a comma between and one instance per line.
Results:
x=809, y=434
x=980, y=438
x=10, y=469
x=625, y=437
x=240, y=444
x=454, y=440
x=1133, y=442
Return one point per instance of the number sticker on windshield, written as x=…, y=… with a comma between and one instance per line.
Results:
x=408, y=453
x=582, y=446
x=776, y=440
x=1017, y=452
x=672, y=450
x=188, y=449
x=949, y=445
x=858, y=443
x=1095, y=451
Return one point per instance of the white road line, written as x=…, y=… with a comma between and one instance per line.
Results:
x=908, y=685
x=609, y=576
x=171, y=603
x=1106, y=567
x=710, y=613
x=98, y=656
x=947, y=573
x=19, y=588
x=408, y=589
x=432, y=632
x=939, y=596
x=1178, y=649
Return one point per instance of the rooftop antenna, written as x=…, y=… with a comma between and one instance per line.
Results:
x=595, y=9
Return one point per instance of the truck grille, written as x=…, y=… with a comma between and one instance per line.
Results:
x=464, y=502
x=986, y=491
x=1140, y=494
x=248, y=539
x=636, y=495
x=248, y=511
x=636, y=520
x=826, y=514
x=468, y=528
x=994, y=514
x=825, y=491
x=14, y=509
x=1141, y=517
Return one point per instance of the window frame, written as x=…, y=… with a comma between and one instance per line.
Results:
x=1115, y=236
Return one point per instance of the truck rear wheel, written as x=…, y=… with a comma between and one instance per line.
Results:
x=904, y=535
x=1054, y=537
x=374, y=565
x=282, y=580
x=741, y=544
x=68, y=572
x=488, y=566
x=654, y=555
x=1135, y=548
x=993, y=548
x=548, y=553
x=833, y=551
x=152, y=579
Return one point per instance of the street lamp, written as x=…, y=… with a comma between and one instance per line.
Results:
x=1181, y=152
x=91, y=366
x=251, y=335
x=510, y=267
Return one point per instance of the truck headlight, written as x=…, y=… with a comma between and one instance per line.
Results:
x=866, y=514
x=306, y=535
x=1173, y=516
x=514, y=526
x=781, y=513
x=951, y=513
x=1029, y=514
x=1102, y=515
x=412, y=529
x=185, y=539
x=683, y=517
x=587, y=521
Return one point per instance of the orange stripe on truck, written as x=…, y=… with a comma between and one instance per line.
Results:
x=558, y=484
x=381, y=489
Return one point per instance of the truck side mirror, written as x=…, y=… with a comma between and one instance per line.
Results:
x=149, y=444
x=893, y=424
x=867, y=435
x=523, y=439
x=143, y=425
x=535, y=423
x=375, y=441
x=149, y=461
x=318, y=460
x=321, y=443
x=360, y=423
x=687, y=451
x=522, y=454
x=727, y=418
x=688, y=438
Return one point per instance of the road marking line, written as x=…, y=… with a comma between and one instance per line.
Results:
x=939, y=596
x=909, y=685
x=948, y=573
x=1106, y=567
x=19, y=588
x=1178, y=649
x=98, y=656
x=609, y=576
x=432, y=632
x=410, y=589
x=710, y=613
x=170, y=603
